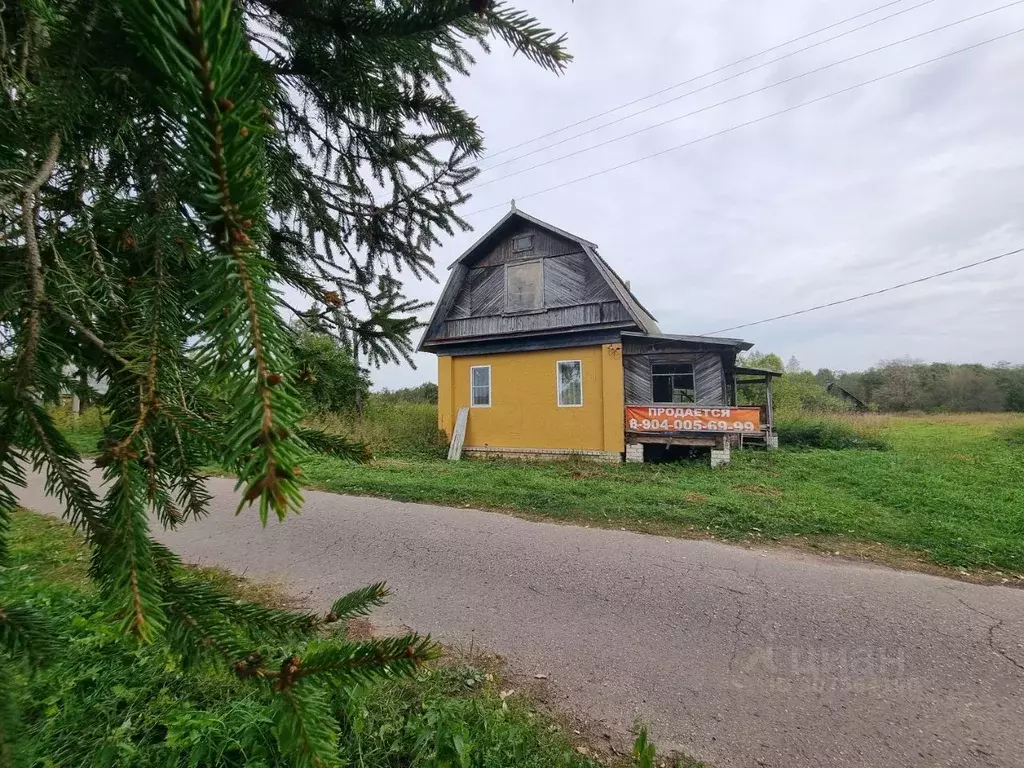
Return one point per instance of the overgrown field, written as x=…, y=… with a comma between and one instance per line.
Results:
x=948, y=489
x=106, y=701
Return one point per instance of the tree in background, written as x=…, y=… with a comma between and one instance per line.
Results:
x=905, y=385
x=1010, y=380
x=326, y=377
x=165, y=167
x=795, y=392
x=900, y=389
x=966, y=389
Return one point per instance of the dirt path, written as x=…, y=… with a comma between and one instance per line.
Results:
x=738, y=657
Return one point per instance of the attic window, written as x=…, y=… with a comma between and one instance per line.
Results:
x=522, y=243
x=524, y=287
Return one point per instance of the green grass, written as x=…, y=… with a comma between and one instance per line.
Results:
x=107, y=701
x=949, y=488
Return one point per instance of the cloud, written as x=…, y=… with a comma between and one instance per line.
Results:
x=911, y=175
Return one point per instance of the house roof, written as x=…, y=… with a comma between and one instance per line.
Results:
x=746, y=370
x=639, y=314
x=513, y=213
x=832, y=387
x=719, y=341
x=643, y=318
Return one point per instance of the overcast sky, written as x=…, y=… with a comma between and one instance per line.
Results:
x=901, y=178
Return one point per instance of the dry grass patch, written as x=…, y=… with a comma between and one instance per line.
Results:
x=759, y=490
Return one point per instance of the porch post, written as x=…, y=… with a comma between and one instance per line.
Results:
x=771, y=439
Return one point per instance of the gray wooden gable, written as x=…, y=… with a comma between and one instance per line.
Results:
x=580, y=290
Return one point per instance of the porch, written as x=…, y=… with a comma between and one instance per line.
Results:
x=656, y=428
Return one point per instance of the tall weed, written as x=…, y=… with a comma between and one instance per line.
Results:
x=389, y=428
x=830, y=433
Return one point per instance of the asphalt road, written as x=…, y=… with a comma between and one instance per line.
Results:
x=738, y=657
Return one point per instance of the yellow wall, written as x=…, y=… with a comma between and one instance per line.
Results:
x=524, y=410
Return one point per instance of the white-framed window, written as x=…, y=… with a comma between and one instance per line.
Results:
x=569, y=383
x=480, y=386
x=524, y=286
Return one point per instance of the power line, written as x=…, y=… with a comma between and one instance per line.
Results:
x=694, y=79
x=697, y=90
x=738, y=97
x=869, y=294
x=755, y=121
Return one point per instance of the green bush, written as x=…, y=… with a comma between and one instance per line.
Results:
x=327, y=378
x=83, y=432
x=833, y=434
x=1012, y=435
x=89, y=420
x=389, y=428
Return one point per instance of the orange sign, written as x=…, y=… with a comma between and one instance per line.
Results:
x=691, y=418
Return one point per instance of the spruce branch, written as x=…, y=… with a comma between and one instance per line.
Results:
x=348, y=663
x=86, y=334
x=33, y=266
x=65, y=477
x=125, y=562
x=26, y=633
x=525, y=34
x=334, y=445
x=231, y=147
x=308, y=732
x=359, y=602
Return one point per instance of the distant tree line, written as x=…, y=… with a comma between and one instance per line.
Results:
x=909, y=385
x=424, y=393
x=896, y=385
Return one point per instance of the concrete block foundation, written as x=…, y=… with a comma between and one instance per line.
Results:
x=720, y=454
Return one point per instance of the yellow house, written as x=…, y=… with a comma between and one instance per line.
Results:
x=550, y=354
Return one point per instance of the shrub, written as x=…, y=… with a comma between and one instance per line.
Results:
x=833, y=434
x=1012, y=434
x=327, y=378
x=89, y=420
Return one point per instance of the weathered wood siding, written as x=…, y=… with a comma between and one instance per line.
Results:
x=575, y=292
x=561, y=317
x=638, y=355
x=544, y=244
x=486, y=291
x=565, y=280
